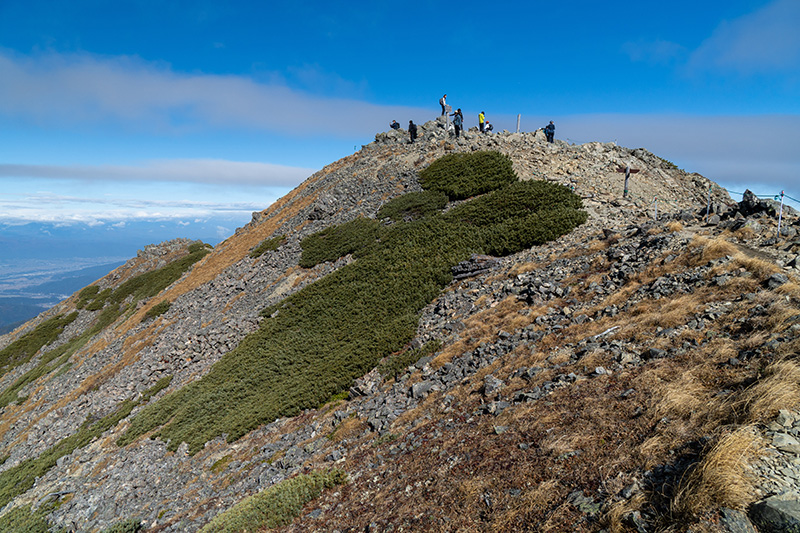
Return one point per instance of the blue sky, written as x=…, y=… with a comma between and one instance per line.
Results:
x=194, y=114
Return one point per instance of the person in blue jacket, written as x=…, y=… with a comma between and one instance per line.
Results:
x=458, y=121
x=550, y=131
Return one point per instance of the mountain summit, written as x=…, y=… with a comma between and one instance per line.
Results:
x=483, y=333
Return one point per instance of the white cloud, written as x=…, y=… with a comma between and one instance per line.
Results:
x=174, y=170
x=83, y=88
x=765, y=41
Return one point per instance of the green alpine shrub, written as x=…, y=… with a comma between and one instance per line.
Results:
x=276, y=506
x=268, y=245
x=413, y=206
x=332, y=243
x=462, y=176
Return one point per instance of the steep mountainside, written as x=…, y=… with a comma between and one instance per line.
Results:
x=625, y=376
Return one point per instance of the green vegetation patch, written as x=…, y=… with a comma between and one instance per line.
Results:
x=320, y=339
x=268, y=245
x=396, y=364
x=276, y=506
x=462, y=176
x=20, y=351
x=413, y=206
x=157, y=310
x=337, y=241
x=23, y=520
x=151, y=283
x=86, y=295
x=20, y=478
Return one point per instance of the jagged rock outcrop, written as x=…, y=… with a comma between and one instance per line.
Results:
x=521, y=334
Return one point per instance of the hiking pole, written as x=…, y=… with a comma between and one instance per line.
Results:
x=780, y=216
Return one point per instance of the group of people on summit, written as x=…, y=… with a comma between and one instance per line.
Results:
x=458, y=123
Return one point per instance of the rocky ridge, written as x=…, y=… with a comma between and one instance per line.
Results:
x=388, y=422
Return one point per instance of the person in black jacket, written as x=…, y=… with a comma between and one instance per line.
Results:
x=412, y=130
x=550, y=131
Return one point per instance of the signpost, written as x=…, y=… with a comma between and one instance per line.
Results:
x=628, y=171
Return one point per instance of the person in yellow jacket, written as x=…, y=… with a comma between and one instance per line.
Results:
x=481, y=120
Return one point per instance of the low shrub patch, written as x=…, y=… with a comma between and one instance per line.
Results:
x=268, y=245
x=462, y=176
x=23, y=520
x=157, y=310
x=20, y=351
x=276, y=506
x=332, y=243
x=413, y=206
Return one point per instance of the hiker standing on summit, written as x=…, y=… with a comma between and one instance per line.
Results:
x=458, y=121
x=443, y=103
x=412, y=130
x=481, y=120
x=550, y=131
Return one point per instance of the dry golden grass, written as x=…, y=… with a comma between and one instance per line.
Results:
x=681, y=398
x=349, y=428
x=721, y=478
x=523, y=268
x=674, y=226
x=744, y=234
x=532, y=500
x=760, y=268
x=665, y=313
x=614, y=518
x=779, y=388
x=711, y=249
x=780, y=317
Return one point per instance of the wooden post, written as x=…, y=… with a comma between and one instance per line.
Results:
x=628, y=171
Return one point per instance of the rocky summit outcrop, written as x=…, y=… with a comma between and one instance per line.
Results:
x=581, y=385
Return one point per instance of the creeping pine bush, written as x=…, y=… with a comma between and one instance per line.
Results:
x=268, y=245
x=332, y=243
x=20, y=351
x=276, y=506
x=23, y=520
x=157, y=310
x=315, y=342
x=413, y=206
x=462, y=176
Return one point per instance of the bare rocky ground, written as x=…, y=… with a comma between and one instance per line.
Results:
x=577, y=384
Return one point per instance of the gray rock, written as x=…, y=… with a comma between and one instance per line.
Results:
x=777, y=514
x=421, y=390
x=736, y=521
x=777, y=279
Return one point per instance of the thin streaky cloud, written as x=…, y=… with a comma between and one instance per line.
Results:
x=207, y=171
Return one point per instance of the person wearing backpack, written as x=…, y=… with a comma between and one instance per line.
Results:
x=458, y=121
